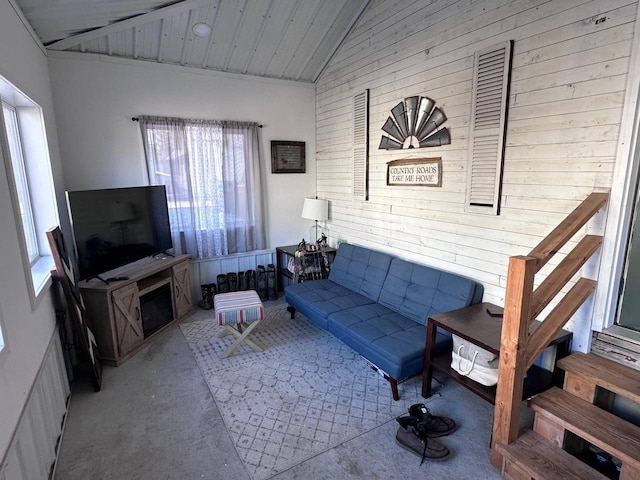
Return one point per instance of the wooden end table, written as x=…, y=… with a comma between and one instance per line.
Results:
x=283, y=254
x=474, y=324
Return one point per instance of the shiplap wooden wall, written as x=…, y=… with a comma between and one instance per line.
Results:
x=570, y=64
x=34, y=448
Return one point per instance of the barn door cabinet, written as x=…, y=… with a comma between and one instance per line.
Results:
x=124, y=314
x=182, y=289
x=127, y=318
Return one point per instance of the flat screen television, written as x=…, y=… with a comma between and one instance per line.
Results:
x=116, y=226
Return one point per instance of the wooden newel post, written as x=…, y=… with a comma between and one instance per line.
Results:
x=513, y=349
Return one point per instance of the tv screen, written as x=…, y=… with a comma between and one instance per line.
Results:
x=116, y=226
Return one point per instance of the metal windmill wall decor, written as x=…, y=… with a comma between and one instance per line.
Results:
x=414, y=123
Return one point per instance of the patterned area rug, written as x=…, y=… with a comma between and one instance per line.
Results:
x=305, y=393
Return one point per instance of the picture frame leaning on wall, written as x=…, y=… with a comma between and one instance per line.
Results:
x=65, y=274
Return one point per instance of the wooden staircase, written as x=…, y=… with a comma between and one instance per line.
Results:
x=522, y=304
x=590, y=383
x=519, y=348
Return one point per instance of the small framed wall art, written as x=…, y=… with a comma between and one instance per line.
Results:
x=287, y=157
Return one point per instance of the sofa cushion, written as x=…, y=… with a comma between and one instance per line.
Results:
x=319, y=298
x=389, y=340
x=360, y=269
x=417, y=291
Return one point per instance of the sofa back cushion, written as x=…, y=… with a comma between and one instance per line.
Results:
x=360, y=270
x=417, y=291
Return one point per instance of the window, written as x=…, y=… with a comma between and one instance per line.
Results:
x=211, y=171
x=25, y=151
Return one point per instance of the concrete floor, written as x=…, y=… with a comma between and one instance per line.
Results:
x=155, y=418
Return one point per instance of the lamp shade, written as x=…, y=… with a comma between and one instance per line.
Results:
x=315, y=209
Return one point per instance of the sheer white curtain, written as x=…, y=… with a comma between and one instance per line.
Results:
x=211, y=170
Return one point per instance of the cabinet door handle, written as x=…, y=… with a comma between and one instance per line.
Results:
x=177, y=289
x=137, y=313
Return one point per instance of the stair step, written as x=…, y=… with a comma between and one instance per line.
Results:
x=538, y=458
x=610, y=375
x=597, y=426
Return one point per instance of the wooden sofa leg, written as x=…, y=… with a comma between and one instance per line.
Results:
x=394, y=388
x=292, y=311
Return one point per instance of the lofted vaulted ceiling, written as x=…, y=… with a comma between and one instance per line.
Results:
x=285, y=39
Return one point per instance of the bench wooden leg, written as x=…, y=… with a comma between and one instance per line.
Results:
x=240, y=338
x=226, y=330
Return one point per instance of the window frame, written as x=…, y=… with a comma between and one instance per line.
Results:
x=39, y=179
x=23, y=189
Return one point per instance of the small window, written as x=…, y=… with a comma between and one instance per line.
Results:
x=23, y=143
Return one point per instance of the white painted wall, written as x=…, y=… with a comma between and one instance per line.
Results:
x=27, y=332
x=96, y=96
x=570, y=66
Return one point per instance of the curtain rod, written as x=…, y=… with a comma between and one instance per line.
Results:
x=135, y=119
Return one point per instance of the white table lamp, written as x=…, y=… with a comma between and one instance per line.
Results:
x=315, y=209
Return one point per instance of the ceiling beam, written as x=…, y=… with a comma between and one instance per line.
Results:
x=132, y=22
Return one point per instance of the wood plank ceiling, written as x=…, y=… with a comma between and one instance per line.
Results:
x=285, y=39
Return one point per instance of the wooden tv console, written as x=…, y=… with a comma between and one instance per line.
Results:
x=115, y=310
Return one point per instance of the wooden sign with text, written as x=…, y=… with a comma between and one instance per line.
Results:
x=424, y=172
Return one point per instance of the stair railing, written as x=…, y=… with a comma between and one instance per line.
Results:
x=519, y=349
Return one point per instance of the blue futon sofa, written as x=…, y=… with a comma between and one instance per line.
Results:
x=379, y=304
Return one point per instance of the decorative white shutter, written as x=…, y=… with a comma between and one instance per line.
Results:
x=361, y=145
x=491, y=74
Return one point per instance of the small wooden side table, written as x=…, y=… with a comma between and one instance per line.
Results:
x=283, y=254
x=474, y=324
